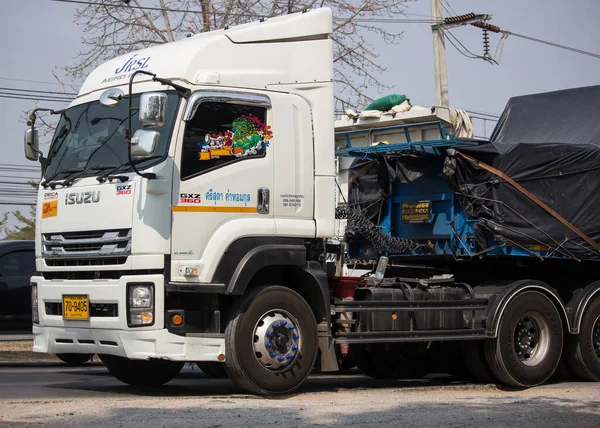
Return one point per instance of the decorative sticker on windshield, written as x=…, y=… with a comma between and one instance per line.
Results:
x=50, y=209
x=248, y=136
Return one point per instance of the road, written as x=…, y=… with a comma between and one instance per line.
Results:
x=54, y=395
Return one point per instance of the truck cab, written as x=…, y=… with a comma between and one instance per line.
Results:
x=182, y=176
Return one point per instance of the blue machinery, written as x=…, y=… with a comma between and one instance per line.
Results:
x=426, y=210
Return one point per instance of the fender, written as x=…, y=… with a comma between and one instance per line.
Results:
x=499, y=302
x=246, y=256
x=579, y=303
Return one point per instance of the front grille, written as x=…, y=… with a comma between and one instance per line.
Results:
x=87, y=248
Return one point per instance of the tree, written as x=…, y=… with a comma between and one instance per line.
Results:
x=24, y=230
x=25, y=227
x=113, y=28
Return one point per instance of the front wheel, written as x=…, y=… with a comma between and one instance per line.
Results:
x=212, y=369
x=141, y=372
x=529, y=343
x=271, y=341
x=75, y=359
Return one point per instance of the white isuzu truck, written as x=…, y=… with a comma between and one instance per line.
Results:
x=187, y=213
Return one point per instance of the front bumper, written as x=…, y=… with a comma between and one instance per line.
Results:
x=111, y=334
x=136, y=345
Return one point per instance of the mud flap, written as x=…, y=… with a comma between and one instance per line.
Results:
x=328, y=361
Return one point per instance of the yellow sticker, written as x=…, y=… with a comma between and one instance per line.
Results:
x=416, y=212
x=50, y=209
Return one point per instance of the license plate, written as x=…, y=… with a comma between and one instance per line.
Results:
x=76, y=307
x=416, y=212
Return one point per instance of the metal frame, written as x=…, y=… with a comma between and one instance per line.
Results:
x=445, y=141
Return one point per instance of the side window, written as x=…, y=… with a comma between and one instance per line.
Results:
x=17, y=263
x=220, y=133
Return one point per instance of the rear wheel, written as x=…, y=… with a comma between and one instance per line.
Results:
x=583, y=350
x=390, y=360
x=75, y=359
x=212, y=369
x=141, y=372
x=474, y=355
x=529, y=343
x=271, y=341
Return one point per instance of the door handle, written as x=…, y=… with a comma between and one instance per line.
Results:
x=263, y=200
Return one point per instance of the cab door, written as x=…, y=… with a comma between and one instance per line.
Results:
x=224, y=181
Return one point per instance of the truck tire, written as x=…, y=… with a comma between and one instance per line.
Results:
x=75, y=359
x=474, y=355
x=212, y=369
x=270, y=340
x=583, y=350
x=529, y=341
x=390, y=360
x=141, y=372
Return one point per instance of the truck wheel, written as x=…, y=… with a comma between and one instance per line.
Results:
x=474, y=355
x=212, y=369
x=141, y=372
x=583, y=350
x=75, y=359
x=529, y=343
x=390, y=360
x=270, y=341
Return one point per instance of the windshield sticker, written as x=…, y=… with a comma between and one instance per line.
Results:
x=50, y=209
x=249, y=136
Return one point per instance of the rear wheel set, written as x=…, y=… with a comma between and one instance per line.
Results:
x=583, y=350
x=529, y=341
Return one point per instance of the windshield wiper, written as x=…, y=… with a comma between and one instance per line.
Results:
x=49, y=182
x=123, y=178
x=70, y=181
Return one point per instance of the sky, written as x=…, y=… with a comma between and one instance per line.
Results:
x=38, y=35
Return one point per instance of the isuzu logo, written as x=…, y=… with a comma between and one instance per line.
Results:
x=82, y=197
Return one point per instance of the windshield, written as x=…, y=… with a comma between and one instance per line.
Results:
x=91, y=134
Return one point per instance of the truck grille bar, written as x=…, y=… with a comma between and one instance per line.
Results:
x=89, y=248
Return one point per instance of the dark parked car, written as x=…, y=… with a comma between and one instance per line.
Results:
x=17, y=266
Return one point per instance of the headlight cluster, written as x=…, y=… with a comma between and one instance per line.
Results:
x=140, y=304
x=35, y=313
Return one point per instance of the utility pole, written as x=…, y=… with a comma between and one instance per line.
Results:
x=439, y=56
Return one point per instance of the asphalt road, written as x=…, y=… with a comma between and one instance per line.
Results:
x=55, y=395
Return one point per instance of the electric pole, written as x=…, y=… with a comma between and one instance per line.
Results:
x=439, y=56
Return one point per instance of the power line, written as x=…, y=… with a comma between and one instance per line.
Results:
x=247, y=15
x=556, y=45
x=30, y=81
x=66, y=100
x=37, y=91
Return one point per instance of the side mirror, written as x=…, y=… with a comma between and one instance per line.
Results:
x=143, y=143
x=153, y=109
x=111, y=97
x=31, y=144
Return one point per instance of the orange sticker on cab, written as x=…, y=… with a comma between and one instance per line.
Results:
x=50, y=209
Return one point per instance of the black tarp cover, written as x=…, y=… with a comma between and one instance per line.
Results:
x=549, y=144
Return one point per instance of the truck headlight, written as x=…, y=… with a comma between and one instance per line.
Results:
x=35, y=314
x=140, y=299
x=141, y=296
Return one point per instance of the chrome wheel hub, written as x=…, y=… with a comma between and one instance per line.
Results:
x=531, y=338
x=276, y=340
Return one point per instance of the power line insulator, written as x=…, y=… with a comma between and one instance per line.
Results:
x=458, y=19
x=486, y=26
